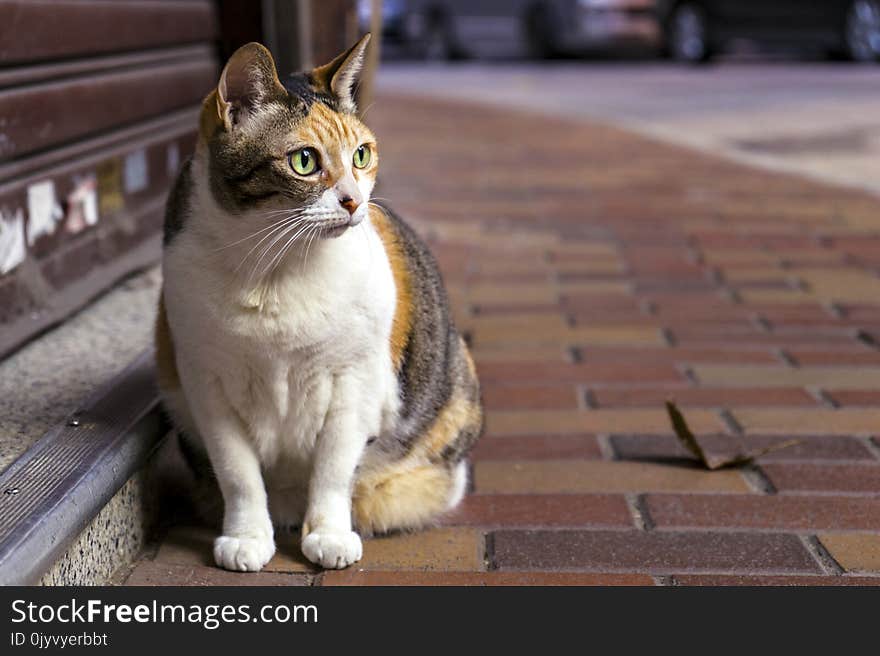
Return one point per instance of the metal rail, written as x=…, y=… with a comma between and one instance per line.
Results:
x=52, y=492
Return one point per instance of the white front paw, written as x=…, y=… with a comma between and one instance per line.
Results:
x=243, y=554
x=333, y=549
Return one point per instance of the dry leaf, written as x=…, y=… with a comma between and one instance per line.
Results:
x=690, y=442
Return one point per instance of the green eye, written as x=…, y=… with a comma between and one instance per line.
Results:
x=362, y=156
x=304, y=161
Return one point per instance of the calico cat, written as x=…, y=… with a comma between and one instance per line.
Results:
x=304, y=342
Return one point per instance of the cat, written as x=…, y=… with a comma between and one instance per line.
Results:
x=304, y=342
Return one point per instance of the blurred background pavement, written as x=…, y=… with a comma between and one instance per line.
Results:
x=817, y=119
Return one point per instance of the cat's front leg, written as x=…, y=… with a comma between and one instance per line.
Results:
x=327, y=536
x=247, y=542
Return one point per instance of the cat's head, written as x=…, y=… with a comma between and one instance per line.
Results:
x=294, y=148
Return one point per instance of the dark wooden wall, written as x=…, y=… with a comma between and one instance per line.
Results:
x=98, y=105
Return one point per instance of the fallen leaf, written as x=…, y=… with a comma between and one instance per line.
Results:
x=691, y=443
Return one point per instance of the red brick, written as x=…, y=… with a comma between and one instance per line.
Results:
x=869, y=313
x=601, y=476
x=488, y=309
x=789, y=513
x=546, y=397
x=537, y=447
x=577, y=256
x=546, y=354
x=730, y=239
x=854, y=356
x=599, y=318
x=778, y=283
x=855, y=552
x=655, y=552
x=788, y=315
x=439, y=549
x=681, y=307
x=352, y=576
x=544, y=510
x=541, y=372
x=597, y=306
x=716, y=580
x=506, y=277
x=844, y=478
x=696, y=335
x=711, y=325
x=672, y=266
x=149, y=573
x=804, y=421
x=811, y=447
x=701, y=397
x=696, y=283
x=856, y=397
x=678, y=355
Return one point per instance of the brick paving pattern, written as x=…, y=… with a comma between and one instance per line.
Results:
x=597, y=274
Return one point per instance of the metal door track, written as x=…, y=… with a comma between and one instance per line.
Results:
x=52, y=492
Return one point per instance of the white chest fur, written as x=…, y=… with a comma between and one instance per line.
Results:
x=275, y=351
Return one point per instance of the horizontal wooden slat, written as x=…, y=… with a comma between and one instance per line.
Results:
x=40, y=30
x=42, y=116
x=44, y=72
x=36, y=166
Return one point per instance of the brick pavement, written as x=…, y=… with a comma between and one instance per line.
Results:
x=596, y=274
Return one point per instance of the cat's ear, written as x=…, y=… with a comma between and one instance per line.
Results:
x=338, y=77
x=248, y=80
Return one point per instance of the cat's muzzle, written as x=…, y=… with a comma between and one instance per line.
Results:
x=337, y=227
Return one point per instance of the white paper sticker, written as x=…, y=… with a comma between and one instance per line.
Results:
x=135, y=176
x=82, y=203
x=44, y=212
x=12, y=249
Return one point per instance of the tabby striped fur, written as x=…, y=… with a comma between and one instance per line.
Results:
x=304, y=342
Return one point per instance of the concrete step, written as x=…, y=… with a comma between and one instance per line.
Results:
x=77, y=436
x=78, y=504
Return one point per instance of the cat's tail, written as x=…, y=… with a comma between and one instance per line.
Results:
x=431, y=479
x=406, y=495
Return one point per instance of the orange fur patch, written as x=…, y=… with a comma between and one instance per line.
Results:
x=403, y=312
x=210, y=119
x=166, y=364
x=448, y=425
x=404, y=495
x=338, y=134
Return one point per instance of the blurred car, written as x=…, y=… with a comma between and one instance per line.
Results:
x=694, y=30
x=394, y=16
x=442, y=29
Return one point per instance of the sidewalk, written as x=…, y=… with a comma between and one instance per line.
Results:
x=596, y=274
x=814, y=119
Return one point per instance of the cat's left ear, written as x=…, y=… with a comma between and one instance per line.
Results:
x=338, y=77
x=249, y=79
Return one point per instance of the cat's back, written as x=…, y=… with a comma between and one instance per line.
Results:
x=436, y=375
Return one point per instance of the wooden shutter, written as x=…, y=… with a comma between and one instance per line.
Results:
x=98, y=107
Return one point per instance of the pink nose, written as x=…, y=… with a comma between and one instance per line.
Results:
x=349, y=204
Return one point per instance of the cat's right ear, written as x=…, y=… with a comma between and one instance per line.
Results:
x=248, y=80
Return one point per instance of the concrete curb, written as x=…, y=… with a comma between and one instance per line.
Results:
x=52, y=492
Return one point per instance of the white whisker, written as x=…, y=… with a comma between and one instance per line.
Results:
x=281, y=229
x=269, y=227
x=309, y=242
x=268, y=235
x=277, y=259
x=268, y=248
